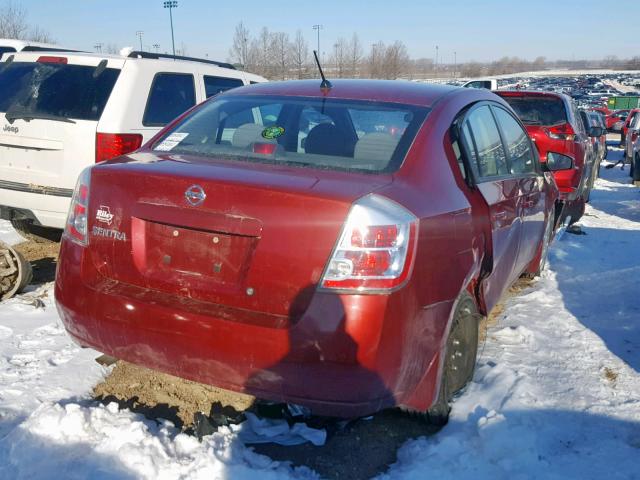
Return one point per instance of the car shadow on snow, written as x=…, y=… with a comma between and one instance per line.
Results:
x=598, y=273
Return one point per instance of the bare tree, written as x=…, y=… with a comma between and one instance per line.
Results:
x=13, y=21
x=340, y=58
x=38, y=34
x=111, y=48
x=239, y=51
x=396, y=60
x=282, y=53
x=355, y=55
x=300, y=53
x=376, y=60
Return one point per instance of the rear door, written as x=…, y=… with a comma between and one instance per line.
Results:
x=523, y=165
x=49, y=111
x=501, y=191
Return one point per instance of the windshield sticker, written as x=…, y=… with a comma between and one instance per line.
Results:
x=171, y=141
x=271, y=133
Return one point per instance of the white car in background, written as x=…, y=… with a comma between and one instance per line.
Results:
x=63, y=111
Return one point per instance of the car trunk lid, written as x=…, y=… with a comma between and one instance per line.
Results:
x=250, y=236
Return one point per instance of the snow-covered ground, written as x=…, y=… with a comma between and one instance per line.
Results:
x=556, y=393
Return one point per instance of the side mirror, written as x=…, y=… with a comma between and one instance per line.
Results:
x=595, y=132
x=557, y=161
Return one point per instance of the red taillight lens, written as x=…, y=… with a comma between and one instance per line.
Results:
x=634, y=136
x=111, y=145
x=561, y=132
x=76, y=228
x=376, y=248
x=51, y=59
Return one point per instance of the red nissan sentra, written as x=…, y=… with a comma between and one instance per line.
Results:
x=331, y=247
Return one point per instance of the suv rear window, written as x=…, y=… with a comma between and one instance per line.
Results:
x=538, y=110
x=306, y=132
x=171, y=95
x=216, y=85
x=32, y=90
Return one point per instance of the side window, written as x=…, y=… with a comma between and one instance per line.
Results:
x=171, y=94
x=215, y=85
x=517, y=142
x=490, y=155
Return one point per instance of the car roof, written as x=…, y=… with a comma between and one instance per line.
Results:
x=393, y=91
x=115, y=60
x=20, y=44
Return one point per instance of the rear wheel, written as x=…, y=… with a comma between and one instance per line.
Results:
x=35, y=233
x=459, y=359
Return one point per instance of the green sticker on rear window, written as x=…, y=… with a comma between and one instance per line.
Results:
x=272, y=132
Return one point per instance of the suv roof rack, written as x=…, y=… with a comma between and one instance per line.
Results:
x=156, y=56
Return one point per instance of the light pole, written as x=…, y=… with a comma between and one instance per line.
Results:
x=139, y=33
x=98, y=47
x=318, y=28
x=171, y=5
x=436, y=70
x=156, y=46
x=455, y=63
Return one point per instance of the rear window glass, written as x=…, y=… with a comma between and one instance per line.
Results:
x=539, y=110
x=31, y=89
x=215, y=85
x=171, y=95
x=306, y=132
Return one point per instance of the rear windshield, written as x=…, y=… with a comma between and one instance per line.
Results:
x=538, y=110
x=307, y=132
x=59, y=90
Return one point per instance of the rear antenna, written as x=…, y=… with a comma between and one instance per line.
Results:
x=326, y=84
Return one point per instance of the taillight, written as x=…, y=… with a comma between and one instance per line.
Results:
x=51, y=59
x=376, y=248
x=561, y=132
x=111, y=145
x=76, y=227
x=634, y=136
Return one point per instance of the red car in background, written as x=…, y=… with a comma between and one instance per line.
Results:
x=616, y=119
x=563, y=141
x=625, y=127
x=331, y=247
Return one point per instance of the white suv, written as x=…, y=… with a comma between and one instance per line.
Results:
x=62, y=111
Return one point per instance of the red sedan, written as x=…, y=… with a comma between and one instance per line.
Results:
x=329, y=247
x=564, y=143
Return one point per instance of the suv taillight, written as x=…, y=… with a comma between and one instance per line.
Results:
x=76, y=227
x=561, y=132
x=111, y=145
x=376, y=248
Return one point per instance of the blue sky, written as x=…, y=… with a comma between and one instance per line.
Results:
x=476, y=30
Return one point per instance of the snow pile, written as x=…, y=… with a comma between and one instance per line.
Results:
x=556, y=394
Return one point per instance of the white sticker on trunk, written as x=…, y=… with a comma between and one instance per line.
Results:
x=171, y=141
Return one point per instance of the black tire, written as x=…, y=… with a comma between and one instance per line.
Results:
x=35, y=233
x=635, y=173
x=459, y=360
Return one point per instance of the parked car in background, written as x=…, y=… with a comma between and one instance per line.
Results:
x=563, y=142
x=625, y=126
x=489, y=84
x=89, y=107
x=337, y=256
x=632, y=149
x=616, y=119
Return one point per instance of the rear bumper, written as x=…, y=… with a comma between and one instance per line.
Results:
x=48, y=210
x=347, y=356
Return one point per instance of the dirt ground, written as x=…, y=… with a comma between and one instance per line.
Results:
x=43, y=257
x=361, y=449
